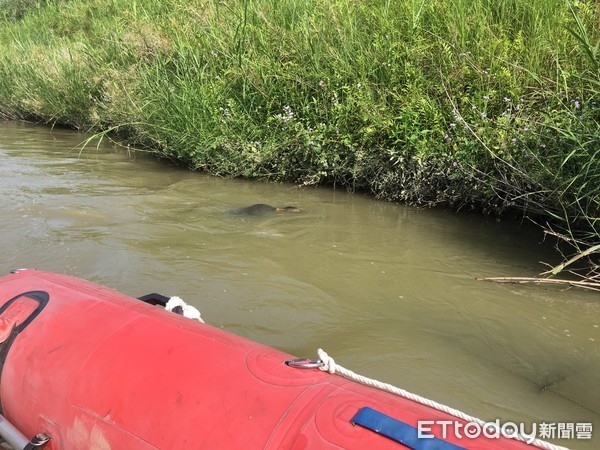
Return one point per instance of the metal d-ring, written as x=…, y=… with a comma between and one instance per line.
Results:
x=304, y=363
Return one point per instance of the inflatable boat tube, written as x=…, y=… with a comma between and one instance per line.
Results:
x=91, y=368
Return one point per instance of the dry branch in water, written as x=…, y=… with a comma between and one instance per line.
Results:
x=589, y=280
x=594, y=286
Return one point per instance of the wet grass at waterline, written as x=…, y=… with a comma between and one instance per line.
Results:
x=464, y=103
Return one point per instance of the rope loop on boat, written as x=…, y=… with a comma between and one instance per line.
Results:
x=329, y=365
x=178, y=306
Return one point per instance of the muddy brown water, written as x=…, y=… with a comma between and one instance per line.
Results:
x=389, y=291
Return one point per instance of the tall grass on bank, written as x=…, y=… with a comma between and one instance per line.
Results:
x=464, y=103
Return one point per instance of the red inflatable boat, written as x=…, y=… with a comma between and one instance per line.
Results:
x=84, y=367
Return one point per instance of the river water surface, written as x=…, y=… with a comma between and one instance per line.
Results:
x=387, y=290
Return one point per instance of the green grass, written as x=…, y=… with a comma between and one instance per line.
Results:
x=470, y=103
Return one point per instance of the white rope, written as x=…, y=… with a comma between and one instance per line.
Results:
x=188, y=311
x=330, y=366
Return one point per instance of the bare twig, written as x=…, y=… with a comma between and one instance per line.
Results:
x=594, y=286
x=578, y=256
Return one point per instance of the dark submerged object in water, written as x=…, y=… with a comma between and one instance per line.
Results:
x=261, y=208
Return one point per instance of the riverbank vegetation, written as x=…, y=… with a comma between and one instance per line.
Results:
x=470, y=103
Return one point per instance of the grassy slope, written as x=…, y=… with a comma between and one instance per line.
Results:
x=474, y=102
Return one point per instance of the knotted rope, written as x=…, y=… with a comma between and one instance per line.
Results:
x=329, y=365
x=177, y=305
